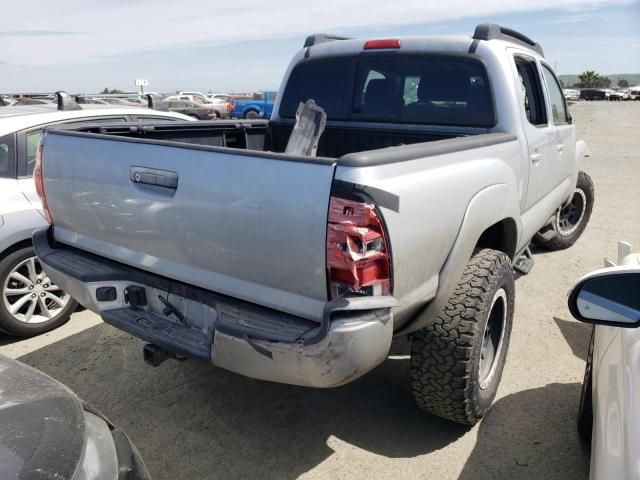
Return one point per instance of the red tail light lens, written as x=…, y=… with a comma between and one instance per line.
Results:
x=380, y=44
x=358, y=261
x=39, y=181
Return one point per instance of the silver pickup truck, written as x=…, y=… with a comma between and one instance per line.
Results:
x=441, y=160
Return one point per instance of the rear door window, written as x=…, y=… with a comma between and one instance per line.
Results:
x=531, y=92
x=29, y=141
x=434, y=89
x=7, y=157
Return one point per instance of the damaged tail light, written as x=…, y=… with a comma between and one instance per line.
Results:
x=39, y=181
x=358, y=261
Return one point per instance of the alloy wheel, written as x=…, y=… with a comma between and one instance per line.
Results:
x=29, y=295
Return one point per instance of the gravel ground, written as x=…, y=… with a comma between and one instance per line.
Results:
x=193, y=421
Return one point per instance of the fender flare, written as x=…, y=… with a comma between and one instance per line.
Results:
x=491, y=205
x=582, y=151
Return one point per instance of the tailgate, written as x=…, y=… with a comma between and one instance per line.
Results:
x=251, y=225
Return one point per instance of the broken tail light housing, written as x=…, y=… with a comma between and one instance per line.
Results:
x=358, y=260
x=39, y=181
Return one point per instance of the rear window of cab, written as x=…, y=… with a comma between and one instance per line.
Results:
x=435, y=89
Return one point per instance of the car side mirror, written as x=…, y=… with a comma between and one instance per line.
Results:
x=569, y=118
x=610, y=296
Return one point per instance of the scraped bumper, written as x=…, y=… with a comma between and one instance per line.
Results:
x=353, y=337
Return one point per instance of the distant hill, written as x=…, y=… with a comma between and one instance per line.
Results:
x=632, y=78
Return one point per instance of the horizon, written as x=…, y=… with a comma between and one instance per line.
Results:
x=225, y=48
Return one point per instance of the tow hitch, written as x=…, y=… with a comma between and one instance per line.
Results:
x=155, y=355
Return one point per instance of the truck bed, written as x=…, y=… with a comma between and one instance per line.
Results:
x=339, y=138
x=199, y=203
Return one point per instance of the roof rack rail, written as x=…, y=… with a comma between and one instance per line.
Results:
x=66, y=102
x=318, y=38
x=491, y=31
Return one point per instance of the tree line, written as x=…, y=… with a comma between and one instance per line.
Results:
x=591, y=79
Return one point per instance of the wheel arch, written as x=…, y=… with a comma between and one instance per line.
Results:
x=491, y=213
x=502, y=236
x=15, y=247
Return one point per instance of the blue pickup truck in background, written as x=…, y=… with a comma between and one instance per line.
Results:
x=259, y=106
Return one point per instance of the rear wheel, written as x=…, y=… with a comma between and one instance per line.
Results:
x=571, y=220
x=30, y=304
x=252, y=115
x=457, y=361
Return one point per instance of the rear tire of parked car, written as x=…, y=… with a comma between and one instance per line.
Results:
x=585, y=412
x=251, y=115
x=30, y=304
x=570, y=221
x=457, y=360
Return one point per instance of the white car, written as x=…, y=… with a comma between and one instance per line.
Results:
x=30, y=303
x=610, y=401
x=197, y=97
x=571, y=94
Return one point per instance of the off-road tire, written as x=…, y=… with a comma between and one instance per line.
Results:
x=445, y=355
x=14, y=327
x=585, y=412
x=562, y=241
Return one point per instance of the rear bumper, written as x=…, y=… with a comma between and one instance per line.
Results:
x=353, y=337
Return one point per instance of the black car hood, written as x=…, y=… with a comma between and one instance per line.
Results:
x=41, y=425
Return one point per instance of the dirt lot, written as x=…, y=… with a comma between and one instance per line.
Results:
x=193, y=421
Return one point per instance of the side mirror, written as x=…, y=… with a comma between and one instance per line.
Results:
x=610, y=296
x=569, y=118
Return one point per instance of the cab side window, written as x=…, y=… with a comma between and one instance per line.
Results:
x=531, y=91
x=556, y=97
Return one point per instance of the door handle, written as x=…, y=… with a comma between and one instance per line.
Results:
x=536, y=157
x=154, y=176
x=560, y=147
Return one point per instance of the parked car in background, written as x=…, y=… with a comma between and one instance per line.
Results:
x=121, y=102
x=91, y=101
x=294, y=249
x=197, y=97
x=609, y=414
x=32, y=101
x=49, y=433
x=260, y=105
x=222, y=107
x=30, y=303
x=199, y=111
x=6, y=101
x=617, y=95
x=571, y=94
x=592, y=94
x=634, y=93
x=220, y=96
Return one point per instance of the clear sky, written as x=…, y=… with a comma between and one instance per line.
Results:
x=242, y=45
